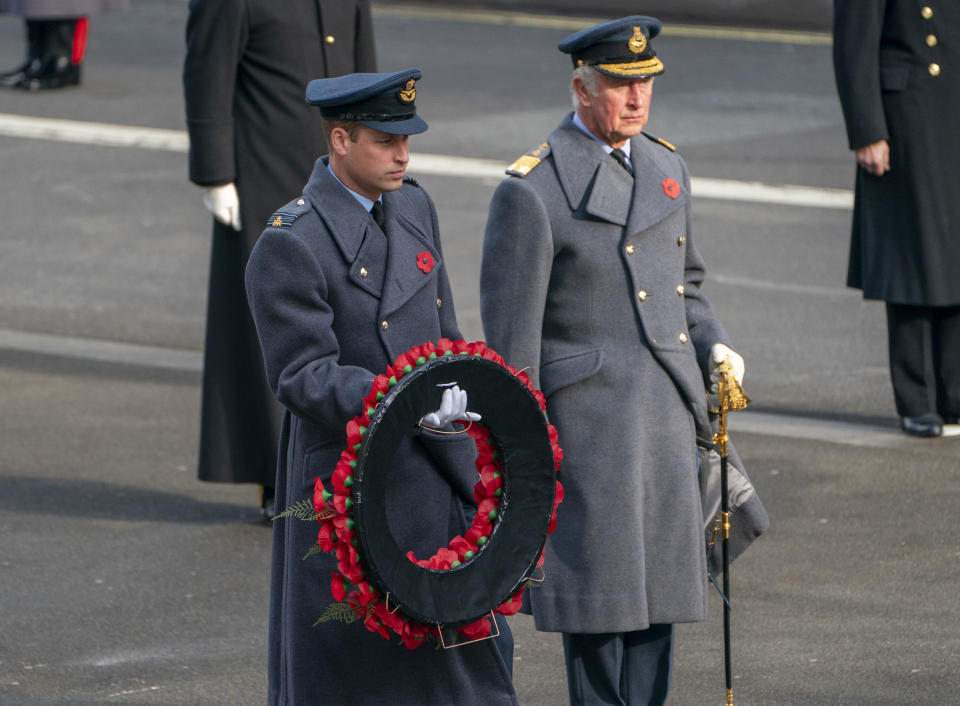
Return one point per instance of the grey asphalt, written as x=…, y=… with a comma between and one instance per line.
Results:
x=123, y=580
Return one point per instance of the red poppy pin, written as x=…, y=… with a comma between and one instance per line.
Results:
x=424, y=262
x=671, y=188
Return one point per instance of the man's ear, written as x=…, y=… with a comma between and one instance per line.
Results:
x=580, y=88
x=338, y=141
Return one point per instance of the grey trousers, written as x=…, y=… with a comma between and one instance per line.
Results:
x=624, y=669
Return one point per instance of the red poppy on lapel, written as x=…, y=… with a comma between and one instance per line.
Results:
x=671, y=188
x=424, y=261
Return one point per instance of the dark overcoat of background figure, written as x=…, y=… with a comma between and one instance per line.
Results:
x=247, y=66
x=898, y=74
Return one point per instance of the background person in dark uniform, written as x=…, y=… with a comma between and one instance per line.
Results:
x=590, y=277
x=338, y=290
x=253, y=141
x=897, y=64
x=56, y=40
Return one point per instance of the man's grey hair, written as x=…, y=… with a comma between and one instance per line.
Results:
x=589, y=76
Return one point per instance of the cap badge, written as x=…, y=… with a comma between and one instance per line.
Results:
x=409, y=91
x=638, y=42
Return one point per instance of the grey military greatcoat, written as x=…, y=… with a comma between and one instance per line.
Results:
x=591, y=279
x=335, y=301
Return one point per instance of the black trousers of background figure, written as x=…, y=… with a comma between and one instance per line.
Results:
x=619, y=668
x=924, y=346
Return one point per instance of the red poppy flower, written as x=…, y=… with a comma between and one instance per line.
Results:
x=671, y=188
x=477, y=630
x=424, y=261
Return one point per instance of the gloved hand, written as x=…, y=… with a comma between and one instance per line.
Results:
x=224, y=204
x=720, y=354
x=453, y=406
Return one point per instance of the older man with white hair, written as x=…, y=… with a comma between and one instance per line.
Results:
x=591, y=280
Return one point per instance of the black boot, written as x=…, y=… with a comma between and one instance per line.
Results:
x=31, y=62
x=57, y=67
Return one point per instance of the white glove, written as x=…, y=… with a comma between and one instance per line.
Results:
x=453, y=406
x=719, y=355
x=224, y=204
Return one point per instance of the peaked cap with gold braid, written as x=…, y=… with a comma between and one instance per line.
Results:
x=617, y=48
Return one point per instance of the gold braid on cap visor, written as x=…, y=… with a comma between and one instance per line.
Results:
x=632, y=68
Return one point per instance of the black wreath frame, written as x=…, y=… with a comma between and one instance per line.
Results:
x=464, y=594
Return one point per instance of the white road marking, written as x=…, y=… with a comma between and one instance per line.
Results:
x=101, y=351
x=110, y=135
x=548, y=21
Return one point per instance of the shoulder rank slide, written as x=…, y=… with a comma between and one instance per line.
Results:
x=285, y=217
x=410, y=180
x=525, y=164
x=660, y=141
x=282, y=219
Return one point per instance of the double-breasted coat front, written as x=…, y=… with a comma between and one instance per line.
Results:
x=897, y=66
x=590, y=277
x=335, y=301
x=247, y=66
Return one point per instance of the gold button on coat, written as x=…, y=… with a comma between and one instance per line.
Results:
x=629, y=250
x=680, y=289
x=641, y=295
x=363, y=271
x=926, y=12
x=931, y=40
x=384, y=325
x=329, y=39
x=439, y=303
x=300, y=202
x=683, y=338
x=934, y=69
x=681, y=240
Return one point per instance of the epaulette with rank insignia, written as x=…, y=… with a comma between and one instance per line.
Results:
x=525, y=164
x=285, y=218
x=410, y=180
x=660, y=141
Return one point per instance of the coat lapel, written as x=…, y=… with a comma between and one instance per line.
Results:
x=591, y=181
x=406, y=243
x=650, y=202
x=351, y=228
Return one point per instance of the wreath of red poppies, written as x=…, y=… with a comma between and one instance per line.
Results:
x=337, y=526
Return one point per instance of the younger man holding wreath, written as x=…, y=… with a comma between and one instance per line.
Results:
x=346, y=278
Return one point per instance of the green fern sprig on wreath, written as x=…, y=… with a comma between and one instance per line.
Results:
x=305, y=511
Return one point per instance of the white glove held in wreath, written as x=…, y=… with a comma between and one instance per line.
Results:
x=453, y=406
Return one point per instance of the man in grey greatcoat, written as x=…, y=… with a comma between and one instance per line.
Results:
x=338, y=289
x=590, y=278
x=896, y=65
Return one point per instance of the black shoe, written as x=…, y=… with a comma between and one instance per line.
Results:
x=19, y=70
x=56, y=72
x=14, y=76
x=268, y=504
x=926, y=425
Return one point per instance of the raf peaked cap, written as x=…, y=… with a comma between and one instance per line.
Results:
x=383, y=102
x=617, y=48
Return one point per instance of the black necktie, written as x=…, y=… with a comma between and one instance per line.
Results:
x=377, y=212
x=621, y=158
